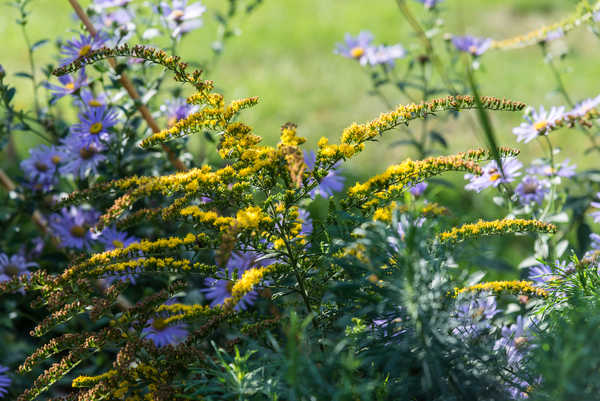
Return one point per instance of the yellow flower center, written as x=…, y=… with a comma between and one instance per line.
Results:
x=495, y=177
x=39, y=166
x=117, y=244
x=520, y=341
x=78, y=231
x=84, y=50
x=473, y=49
x=176, y=15
x=540, y=125
x=357, y=52
x=55, y=159
x=159, y=324
x=94, y=103
x=70, y=86
x=96, y=128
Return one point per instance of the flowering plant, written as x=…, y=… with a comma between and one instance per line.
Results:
x=163, y=277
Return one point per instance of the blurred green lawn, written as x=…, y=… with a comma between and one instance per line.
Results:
x=285, y=56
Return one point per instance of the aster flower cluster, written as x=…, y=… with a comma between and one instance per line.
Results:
x=181, y=17
x=163, y=334
x=5, y=381
x=492, y=176
x=474, y=317
x=471, y=44
x=14, y=266
x=362, y=49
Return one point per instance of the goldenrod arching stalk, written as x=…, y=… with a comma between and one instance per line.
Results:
x=88, y=381
x=584, y=13
x=505, y=226
x=497, y=287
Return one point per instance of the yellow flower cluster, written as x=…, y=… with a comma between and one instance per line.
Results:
x=187, y=312
x=504, y=226
x=249, y=218
x=354, y=137
x=135, y=250
x=88, y=381
x=213, y=115
x=245, y=284
x=397, y=177
x=152, y=263
x=584, y=13
x=289, y=135
x=512, y=287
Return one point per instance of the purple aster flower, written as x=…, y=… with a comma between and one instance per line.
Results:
x=514, y=341
x=331, y=183
x=41, y=166
x=470, y=44
x=474, y=317
x=219, y=289
x=177, y=109
x=357, y=47
x=119, y=23
x=492, y=176
x=418, y=189
x=111, y=238
x=538, y=123
x=385, y=55
x=430, y=3
x=70, y=85
x=79, y=47
x=531, y=190
x=182, y=18
x=72, y=227
x=595, y=238
x=581, y=109
x=596, y=215
x=563, y=169
x=162, y=334
x=89, y=100
x=94, y=125
x=14, y=266
x=307, y=224
x=541, y=274
x=82, y=158
x=5, y=381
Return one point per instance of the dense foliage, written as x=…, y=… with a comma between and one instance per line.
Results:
x=252, y=271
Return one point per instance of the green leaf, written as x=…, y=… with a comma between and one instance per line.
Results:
x=39, y=43
x=23, y=74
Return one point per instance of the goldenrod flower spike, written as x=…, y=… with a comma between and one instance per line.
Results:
x=245, y=284
x=505, y=226
x=583, y=14
x=88, y=381
x=512, y=287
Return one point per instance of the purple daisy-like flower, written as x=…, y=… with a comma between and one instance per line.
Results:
x=492, y=176
x=219, y=289
x=331, y=183
x=82, y=158
x=563, y=169
x=72, y=227
x=555, y=34
x=595, y=240
x=162, y=334
x=112, y=238
x=307, y=224
x=5, y=381
x=430, y=3
x=418, y=189
x=538, y=123
x=177, y=109
x=541, y=274
x=514, y=341
x=357, y=48
x=94, y=125
x=82, y=46
x=181, y=17
x=471, y=44
x=41, y=166
x=531, y=190
x=90, y=101
x=13, y=266
x=70, y=85
x=584, y=107
x=474, y=316
x=385, y=55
